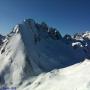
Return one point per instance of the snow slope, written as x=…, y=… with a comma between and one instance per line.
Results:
x=75, y=77
x=31, y=51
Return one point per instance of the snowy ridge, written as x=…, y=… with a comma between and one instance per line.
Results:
x=75, y=77
x=31, y=52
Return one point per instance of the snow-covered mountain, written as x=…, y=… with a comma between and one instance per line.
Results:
x=80, y=42
x=32, y=57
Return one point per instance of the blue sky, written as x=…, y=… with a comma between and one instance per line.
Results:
x=68, y=16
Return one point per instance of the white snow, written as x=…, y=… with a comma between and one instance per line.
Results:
x=86, y=35
x=77, y=43
x=75, y=77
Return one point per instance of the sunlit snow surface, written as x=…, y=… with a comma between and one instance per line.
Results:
x=76, y=77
